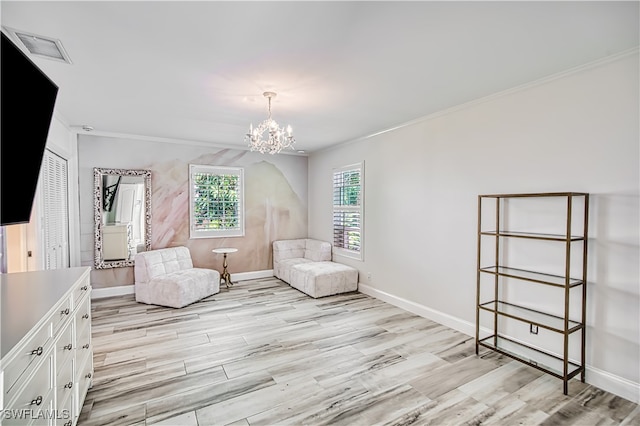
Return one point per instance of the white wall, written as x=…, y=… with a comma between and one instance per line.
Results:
x=573, y=132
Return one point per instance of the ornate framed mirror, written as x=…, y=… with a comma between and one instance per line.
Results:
x=122, y=214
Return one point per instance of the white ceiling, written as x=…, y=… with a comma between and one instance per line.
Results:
x=196, y=70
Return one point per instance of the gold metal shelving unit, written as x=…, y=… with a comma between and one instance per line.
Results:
x=558, y=363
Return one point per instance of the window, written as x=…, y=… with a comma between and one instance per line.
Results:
x=216, y=198
x=348, y=189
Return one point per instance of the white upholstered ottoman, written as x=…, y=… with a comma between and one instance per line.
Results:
x=319, y=279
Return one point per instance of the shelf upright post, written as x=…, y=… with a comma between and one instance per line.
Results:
x=478, y=273
x=585, y=235
x=497, y=277
x=567, y=277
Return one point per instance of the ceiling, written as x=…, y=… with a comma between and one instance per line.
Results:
x=343, y=70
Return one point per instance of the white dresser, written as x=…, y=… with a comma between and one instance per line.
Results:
x=46, y=366
x=116, y=241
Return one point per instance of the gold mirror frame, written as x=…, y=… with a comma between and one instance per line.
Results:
x=98, y=209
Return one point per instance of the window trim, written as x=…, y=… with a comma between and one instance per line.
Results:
x=341, y=251
x=225, y=233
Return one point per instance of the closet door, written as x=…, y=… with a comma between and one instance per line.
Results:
x=55, y=204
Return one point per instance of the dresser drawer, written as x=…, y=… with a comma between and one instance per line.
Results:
x=65, y=387
x=37, y=388
x=44, y=415
x=84, y=380
x=83, y=317
x=63, y=313
x=40, y=415
x=35, y=348
x=65, y=412
x=83, y=287
x=64, y=345
x=84, y=348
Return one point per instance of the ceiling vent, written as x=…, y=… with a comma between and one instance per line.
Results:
x=44, y=47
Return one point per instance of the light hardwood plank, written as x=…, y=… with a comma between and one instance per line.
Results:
x=263, y=353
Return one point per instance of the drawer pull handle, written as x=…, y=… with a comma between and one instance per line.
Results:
x=88, y=376
x=86, y=346
x=67, y=347
x=68, y=385
x=37, y=352
x=85, y=316
x=37, y=401
x=84, y=288
x=64, y=312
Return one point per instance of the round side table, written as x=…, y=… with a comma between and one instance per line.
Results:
x=225, y=274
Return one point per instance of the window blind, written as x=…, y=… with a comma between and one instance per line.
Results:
x=348, y=209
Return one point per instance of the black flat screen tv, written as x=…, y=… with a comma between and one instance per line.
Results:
x=28, y=98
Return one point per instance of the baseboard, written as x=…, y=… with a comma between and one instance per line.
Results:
x=121, y=290
x=99, y=293
x=615, y=384
x=441, y=318
x=594, y=376
x=253, y=275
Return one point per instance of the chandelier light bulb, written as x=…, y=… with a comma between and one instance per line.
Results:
x=268, y=136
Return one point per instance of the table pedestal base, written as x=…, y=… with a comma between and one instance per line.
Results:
x=226, y=276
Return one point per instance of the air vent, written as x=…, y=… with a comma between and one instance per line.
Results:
x=42, y=46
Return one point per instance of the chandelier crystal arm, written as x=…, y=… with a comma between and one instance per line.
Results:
x=276, y=138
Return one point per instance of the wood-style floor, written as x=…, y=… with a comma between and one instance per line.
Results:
x=262, y=353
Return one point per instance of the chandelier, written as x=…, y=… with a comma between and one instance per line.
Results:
x=276, y=138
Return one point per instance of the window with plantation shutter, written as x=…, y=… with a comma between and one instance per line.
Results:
x=348, y=191
x=216, y=198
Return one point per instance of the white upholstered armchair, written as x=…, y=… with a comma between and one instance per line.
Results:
x=167, y=277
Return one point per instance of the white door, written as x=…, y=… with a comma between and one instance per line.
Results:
x=55, y=211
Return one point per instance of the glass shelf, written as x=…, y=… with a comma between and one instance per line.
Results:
x=541, y=360
x=532, y=235
x=538, y=277
x=531, y=316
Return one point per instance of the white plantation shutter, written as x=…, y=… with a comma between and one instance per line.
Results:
x=348, y=193
x=55, y=211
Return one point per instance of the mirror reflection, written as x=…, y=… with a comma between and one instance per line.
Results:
x=122, y=206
